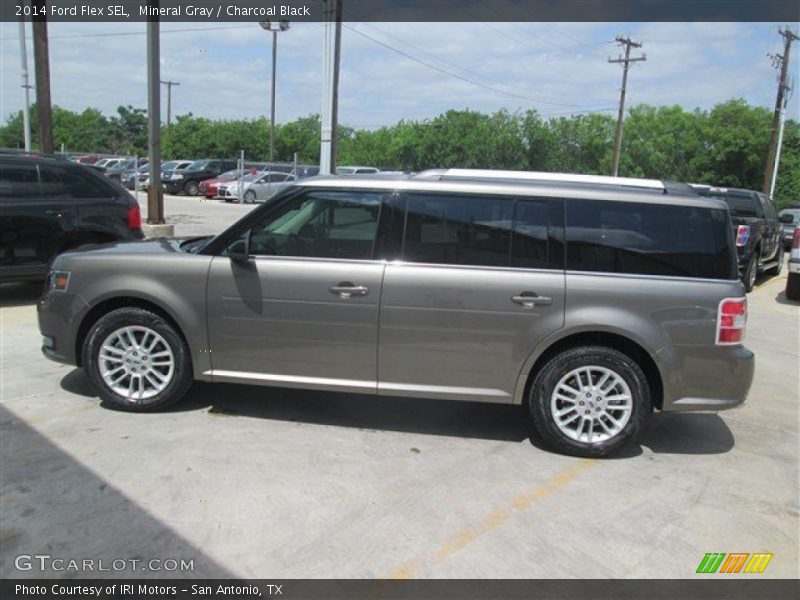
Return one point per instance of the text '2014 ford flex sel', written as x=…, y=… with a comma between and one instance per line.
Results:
x=590, y=300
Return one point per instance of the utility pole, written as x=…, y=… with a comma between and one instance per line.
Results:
x=782, y=60
x=625, y=62
x=155, y=194
x=26, y=111
x=330, y=87
x=283, y=25
x=169, y=85
x=41, y=57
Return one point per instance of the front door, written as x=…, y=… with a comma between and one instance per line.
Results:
x=303, y=310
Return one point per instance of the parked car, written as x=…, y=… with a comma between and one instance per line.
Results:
x=166, y=167
x=255, y=187
x=790, y=222
x=124, y=169
x=210, y=187
x=592, y=301
x=758, y=233
x=86, y=160
x=49, y=206
x=188, y=180
x=793, y=277
x=356, y=170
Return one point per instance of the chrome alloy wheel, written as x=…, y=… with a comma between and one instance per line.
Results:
x=136, y=362
x=591, y=404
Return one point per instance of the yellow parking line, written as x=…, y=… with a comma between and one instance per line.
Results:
x=467, y=535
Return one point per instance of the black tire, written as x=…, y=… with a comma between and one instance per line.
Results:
x=249, y=197
x=750, y=273
x=543, y=387
x=191, y=188
x=776, y=270
x=793, y=286
x=131, y=316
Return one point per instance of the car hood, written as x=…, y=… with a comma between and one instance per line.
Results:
x=157, y=246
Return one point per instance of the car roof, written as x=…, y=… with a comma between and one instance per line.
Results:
x=530, y=186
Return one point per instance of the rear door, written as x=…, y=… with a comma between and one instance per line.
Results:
x=480, y=283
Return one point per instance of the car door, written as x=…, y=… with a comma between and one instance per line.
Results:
x=480, y=283
x=302, y=310
x=26, y=222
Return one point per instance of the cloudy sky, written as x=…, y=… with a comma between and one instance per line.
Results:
x=392, y=71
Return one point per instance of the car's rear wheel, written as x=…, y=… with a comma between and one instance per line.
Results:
x=191, y=188
x=137, y=361
x=590, y=401
x=751, y=273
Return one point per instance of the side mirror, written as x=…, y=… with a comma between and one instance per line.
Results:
x=239, y=251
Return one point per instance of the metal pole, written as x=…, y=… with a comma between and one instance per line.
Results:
x=241, y=177
x=329, y=54
x=272, y=103
x=337, y=48
x=26, y=111
x=777, y=162
x=155, y=194
x=783, y=59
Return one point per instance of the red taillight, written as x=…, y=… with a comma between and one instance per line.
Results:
x=742, y=235
x=134, y=218
x=796, y=239
x=731, y=321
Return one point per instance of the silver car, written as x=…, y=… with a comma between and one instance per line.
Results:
x=255, y=187
x=591, y=301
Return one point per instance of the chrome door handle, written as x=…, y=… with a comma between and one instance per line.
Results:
x=530, y=299
x=345, y=289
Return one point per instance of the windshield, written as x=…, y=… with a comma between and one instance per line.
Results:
x=741, y=205
x=170, y=165
x=197, y=165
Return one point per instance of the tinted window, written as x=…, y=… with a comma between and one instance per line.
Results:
x=18, y=181
x=320, y=224
x=458, y=230
x=72, y=182
x=531, y=232
x=742, y=205
x=650, y=239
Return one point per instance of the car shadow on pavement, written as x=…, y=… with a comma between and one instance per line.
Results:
x=665, y=433
x=782, y=299
x=54, y=506
x=20, y=294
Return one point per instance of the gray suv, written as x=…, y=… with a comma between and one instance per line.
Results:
x=592, y=301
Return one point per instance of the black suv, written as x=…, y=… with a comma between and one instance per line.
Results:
x=757, y=230
x=48, y=206
x=188, y=180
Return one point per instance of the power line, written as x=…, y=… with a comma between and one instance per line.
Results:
x=444, y=60
x=462, y=78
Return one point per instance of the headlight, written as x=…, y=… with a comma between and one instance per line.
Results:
x=58, y=281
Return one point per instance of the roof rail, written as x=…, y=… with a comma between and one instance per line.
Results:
x=447, y=174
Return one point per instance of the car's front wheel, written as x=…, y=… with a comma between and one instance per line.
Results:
x=137, y=361
x=590, y=401
x=191, y=188
x=249, y=197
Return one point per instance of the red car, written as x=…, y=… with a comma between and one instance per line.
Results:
x=208, y=188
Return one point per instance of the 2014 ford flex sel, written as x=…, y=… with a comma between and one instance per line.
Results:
x=590, y=300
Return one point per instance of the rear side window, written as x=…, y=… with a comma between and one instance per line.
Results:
x=18, y=181
x=74, y=183
x=649, y=239
x=742, y=205
x=456, y=230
